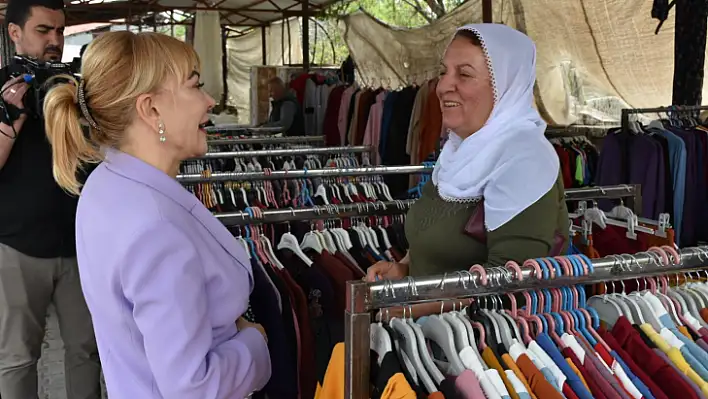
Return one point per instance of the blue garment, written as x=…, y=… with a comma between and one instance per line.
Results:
x=643, y=389
x=677, y=164
x=574, y=382
x=386, y=117
x=695, y=354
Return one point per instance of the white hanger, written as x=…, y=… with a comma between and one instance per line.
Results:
x=437, y=330
x=270, y=253
x=322, y=193
x=380, y=340
x=311, y=241
x=458, y=330
x=243, y=242
x=289, y=241
x=410, y=347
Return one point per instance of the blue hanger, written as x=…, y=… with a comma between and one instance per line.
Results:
x=560, y=326
x=593, y=313
x=248, y=234
x=582, y=327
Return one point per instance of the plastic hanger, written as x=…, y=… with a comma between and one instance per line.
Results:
x=379, y=339
x=437, y=330
x=311, y=241
x=410, y=348
x=322, y=193
x=289, y=241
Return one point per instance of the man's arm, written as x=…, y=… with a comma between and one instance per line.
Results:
x=6, y=140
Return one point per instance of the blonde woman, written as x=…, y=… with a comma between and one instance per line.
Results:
x=165, y=282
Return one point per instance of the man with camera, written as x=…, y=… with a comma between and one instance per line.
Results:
x=37, y=239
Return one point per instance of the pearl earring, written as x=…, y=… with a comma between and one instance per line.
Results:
x=161, y=132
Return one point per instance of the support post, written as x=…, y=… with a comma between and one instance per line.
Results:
x=224, y=66
x=306, y=35
x=689, y=51
x=264, y=45
x=487, y=11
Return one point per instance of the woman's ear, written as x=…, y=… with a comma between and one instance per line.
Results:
x=147, y=110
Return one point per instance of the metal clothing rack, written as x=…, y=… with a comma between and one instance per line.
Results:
x=301, y=174
x=659, y=110
x=363, y=297
x=267, y=140
x=320, y=212
x=384, y=208
x=632, y=192
x=252, y=130
x=286, y=152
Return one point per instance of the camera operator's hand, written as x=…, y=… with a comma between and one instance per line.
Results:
x=14, y=90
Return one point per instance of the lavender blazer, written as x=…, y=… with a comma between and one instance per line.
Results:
x=165, y=282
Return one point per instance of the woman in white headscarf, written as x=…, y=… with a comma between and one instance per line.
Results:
x=496, y=193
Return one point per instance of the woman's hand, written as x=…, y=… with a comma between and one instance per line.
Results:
x=242, y=324
x=386, y=271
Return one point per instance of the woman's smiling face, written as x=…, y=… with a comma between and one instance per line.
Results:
x=465, y=86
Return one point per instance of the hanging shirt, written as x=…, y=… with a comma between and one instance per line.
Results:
x=538, y=382
x=548, y=346
x=670, y=382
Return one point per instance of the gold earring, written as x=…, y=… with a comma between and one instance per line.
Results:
x=161, y=132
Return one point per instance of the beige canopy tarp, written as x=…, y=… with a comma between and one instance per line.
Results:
x=594, y=56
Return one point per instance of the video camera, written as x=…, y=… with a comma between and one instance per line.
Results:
x=38, y=73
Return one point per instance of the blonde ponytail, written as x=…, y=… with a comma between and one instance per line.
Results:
x=70, y=147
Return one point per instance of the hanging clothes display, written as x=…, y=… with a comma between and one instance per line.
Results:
x=643, y=342
x=578, y=159
x=669, y=158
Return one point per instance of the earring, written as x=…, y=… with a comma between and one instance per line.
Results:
x=161, y=132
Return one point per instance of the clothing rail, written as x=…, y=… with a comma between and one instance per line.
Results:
x=300, y=174
x=363, y=297
x=659, y=110
x=632, y=192
x=286, y=152
x=232, y=127
x=267, y=140
x=383, y=208
x=380, y=208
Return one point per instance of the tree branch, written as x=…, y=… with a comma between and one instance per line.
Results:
x=437, y=7
x=419, y=9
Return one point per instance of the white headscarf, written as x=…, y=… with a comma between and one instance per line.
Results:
x=508, y=162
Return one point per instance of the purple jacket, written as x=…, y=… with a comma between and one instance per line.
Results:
x=165, y=282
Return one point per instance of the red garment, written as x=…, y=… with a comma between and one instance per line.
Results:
x=612, y=240
x=595, y=388
x=604, y=354
x=307, y=372
x=564, y=159
x=298, y=86
x=330, y=125
x=633, y=367
x=663, y=374
x=568, y=392
x=358, y=273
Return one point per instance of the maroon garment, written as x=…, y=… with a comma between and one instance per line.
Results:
x=636, y=370
x=330, y=125
x=307, y=371
x=338, y=274
x=356, y=270
x=595, y=388
x=656, y=368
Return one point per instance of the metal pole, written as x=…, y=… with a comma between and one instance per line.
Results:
x=300, y=174
x=380, y=208
x=285, y=152
x=267, y=140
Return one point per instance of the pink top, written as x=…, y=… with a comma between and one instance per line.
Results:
x=468, y=385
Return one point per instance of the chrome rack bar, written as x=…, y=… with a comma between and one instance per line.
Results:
x=300, y=174
x=631, y=191
x=232, y=127
x=267, y=140
x=659, y=110
x=363, y=297
x=285, y=152
x=381, y=208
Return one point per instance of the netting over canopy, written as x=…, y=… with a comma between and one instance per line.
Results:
x=594, y=57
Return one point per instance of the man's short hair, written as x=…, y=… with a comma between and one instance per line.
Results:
x=18, y=11
x=276, y=81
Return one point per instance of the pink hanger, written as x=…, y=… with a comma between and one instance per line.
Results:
x=659, y=251
x=672, y=251
x=536, y=268
x=482, y=273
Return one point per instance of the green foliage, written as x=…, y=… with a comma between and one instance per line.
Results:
x=326, y=44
